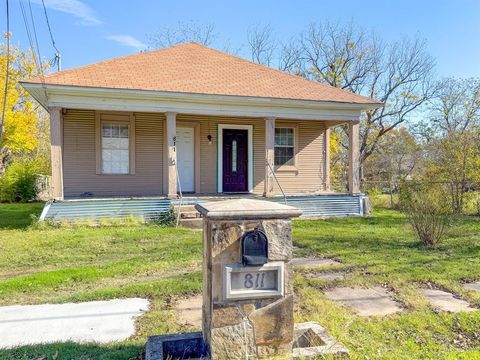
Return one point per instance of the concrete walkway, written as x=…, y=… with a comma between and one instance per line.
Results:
x=446, y=301
x=189, y=311
x=474, y=286
x=310, y=262
x=375, y=301
x=95, y=321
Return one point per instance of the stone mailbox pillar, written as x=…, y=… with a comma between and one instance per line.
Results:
x=247, y=309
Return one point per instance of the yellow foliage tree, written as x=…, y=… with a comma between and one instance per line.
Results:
x=337, y=160
x=20, y=132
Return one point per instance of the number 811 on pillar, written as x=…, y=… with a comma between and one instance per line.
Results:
x=253, y=282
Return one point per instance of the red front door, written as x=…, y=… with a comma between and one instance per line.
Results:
x=235, y=158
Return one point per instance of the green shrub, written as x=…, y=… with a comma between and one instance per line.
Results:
x=429, y=213
x=18, y=183
x=471, y=203
x=168, y=218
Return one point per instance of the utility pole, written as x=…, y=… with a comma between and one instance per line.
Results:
x=58, y=60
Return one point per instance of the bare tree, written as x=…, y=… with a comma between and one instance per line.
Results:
x=203, y=34
x=290, y=57
x=456, y=107
x=262, y=44
x=398, y=74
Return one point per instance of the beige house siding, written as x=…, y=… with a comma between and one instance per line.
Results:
x=79, y=156
x=308, y=173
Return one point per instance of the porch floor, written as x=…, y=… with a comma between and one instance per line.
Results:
x=313, y=206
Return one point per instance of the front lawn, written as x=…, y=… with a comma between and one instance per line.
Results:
x=19, y=216
x=382, y=250
x=44, y=264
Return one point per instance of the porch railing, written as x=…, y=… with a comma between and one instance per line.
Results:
x=278, y=182
x=179, y=208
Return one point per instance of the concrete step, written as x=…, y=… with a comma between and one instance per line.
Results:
x=187, y=212
x=186, y=208
x=196, y=223
x=189, y=215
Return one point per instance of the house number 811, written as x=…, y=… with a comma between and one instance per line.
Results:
x=256, y=281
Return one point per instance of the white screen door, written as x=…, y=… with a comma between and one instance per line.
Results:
x=186, y=158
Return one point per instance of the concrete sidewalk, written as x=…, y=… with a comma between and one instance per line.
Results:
x=95, y=321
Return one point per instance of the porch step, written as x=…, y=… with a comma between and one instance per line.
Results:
x=187, y=212
x=192, y=223
x=186, y=208
x=189, y=215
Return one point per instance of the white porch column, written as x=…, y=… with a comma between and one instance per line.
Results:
x=354, y=157
x=326, y=156
x=269, y=155
x=56, y=150
x=171, y=166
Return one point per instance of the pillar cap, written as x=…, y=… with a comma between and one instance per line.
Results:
x=246, y=209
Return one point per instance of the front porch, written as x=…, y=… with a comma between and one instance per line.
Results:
x=167, y=154
x=313, y=206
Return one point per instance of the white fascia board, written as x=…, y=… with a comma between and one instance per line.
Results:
x=185, y=103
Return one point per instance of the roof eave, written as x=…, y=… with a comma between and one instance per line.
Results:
x=50, y=95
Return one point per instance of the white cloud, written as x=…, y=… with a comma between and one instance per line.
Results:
x=75, y=8
x=128, y=40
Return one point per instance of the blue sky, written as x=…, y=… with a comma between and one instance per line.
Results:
x=88, y=31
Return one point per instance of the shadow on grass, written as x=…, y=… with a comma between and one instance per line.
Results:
x=19, y=216
x=70, y=351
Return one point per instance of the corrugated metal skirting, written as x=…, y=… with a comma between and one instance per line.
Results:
x=318, y=206
x=83, y=210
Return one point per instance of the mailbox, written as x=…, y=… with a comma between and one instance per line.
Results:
x=254, y=277
x=254, y=248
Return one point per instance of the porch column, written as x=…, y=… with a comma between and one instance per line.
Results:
x=354, y=157
x=56, y=150
x=326, y=157
x=171, y=131
x=269, y=156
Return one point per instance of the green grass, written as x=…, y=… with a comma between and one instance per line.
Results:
x=19, y=216
x=382, y=250
x=45, y=264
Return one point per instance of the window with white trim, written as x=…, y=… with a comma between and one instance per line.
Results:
x=284, y=146
x=115, y=148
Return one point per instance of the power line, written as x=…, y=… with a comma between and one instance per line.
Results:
x=49, y=28
x=57, y=60
x=36, y=39
x=7, y=35
x=27, y=28
x=35, y=49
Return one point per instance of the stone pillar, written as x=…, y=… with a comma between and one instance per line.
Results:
x=247, y=310
x=269, y=156
x=171, y=133
x=56, y=150
x=354, y=157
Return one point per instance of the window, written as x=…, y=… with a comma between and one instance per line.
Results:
x=284, y=146
x=234, y=156
x=115, y=148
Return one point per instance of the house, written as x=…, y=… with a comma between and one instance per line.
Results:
x=192, y=120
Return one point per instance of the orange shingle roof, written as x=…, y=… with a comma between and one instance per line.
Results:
x=194, y=68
